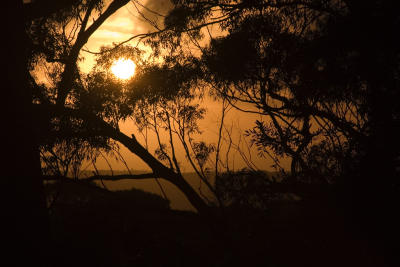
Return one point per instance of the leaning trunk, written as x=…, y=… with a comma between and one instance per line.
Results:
x=160, y=170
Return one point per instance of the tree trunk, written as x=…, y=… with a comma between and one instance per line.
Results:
x=25, y=215
x=160, y=170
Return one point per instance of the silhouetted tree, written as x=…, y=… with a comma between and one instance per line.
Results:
x=245, y=190
x=90, y=107
x=322, y=75
x=27, y=228
x=25, y=215
x=325, y=75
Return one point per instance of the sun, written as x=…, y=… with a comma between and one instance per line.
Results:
x=123, y=68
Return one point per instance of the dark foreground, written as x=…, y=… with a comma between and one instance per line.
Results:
x=93, y=227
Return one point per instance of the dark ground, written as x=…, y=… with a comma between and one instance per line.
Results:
x=93, y=227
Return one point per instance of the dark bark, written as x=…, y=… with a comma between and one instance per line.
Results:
x=25, y=214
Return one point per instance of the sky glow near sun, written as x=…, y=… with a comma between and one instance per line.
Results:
x=119, y=27
x=123, y=68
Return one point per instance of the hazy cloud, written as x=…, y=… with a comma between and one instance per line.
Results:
x=151, y=10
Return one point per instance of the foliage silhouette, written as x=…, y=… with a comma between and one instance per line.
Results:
x=88, y=108
x=307, y=66
x=74, y=194
x=323, y=76
x=245, y=190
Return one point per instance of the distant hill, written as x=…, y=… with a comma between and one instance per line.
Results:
x=177, y=199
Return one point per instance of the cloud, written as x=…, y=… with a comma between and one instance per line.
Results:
x=125, y=23
x=159, y=6
x=152, y=10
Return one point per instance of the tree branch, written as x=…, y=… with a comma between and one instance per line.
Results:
x=81, y=40
x=159, y=169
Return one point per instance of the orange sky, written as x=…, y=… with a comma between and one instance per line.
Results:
x=122, y=25
x=125, y=23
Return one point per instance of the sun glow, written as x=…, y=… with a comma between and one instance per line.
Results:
x=123, y=68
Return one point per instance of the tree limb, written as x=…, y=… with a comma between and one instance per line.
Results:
x=81, y=40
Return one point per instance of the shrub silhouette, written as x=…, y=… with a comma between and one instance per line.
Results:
x=76, y=194
x=245, y=189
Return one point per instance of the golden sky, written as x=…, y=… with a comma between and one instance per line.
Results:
x=122, y=25
x=125, y=23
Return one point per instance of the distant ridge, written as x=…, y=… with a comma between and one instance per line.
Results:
x=177, y=200
x=88, y=173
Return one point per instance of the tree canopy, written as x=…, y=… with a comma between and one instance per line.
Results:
x=322, y=75
x=308, y=68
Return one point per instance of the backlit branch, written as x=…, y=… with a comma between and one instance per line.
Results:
x=81, y=40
